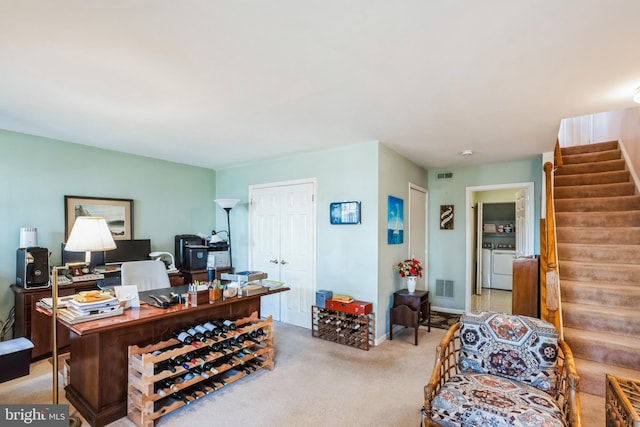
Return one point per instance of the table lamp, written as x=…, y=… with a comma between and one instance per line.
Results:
x=88, y=234
x=227, y=205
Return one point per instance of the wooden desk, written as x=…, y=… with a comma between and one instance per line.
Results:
x=98, y=375
x=410, y=309
x=37, y=328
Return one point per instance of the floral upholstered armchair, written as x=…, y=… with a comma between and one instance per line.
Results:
x=496, y=369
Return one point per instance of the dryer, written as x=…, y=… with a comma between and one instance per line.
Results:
x=502, y=269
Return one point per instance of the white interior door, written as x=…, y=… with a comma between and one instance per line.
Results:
x=285, y=215
x=418, y=227
x=522, y=243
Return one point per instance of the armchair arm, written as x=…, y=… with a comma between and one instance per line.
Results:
x=568, y=385
x=446, y=362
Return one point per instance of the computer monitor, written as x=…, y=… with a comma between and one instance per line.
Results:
x=128, y=250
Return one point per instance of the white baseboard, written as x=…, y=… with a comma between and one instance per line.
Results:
x=447, y=310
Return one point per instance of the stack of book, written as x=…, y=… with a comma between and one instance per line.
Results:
x=80, y=308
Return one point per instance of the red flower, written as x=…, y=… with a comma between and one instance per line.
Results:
x=410, y=267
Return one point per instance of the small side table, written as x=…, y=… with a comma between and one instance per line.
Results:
x=410, y=309
x=622, y=401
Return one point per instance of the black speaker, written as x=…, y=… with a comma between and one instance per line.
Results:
x=32, y=267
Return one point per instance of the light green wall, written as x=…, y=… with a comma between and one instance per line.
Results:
x=36, y=173
x=396, y=173
x=346, y=254
x=354, y=259
x=447, y=248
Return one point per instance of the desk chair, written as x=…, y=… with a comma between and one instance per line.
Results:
x=146, y=275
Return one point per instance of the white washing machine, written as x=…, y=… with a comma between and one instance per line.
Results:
x=502, y=269
x=486, y=268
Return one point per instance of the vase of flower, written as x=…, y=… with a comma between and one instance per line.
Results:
x=411, y=283
x=410, y=269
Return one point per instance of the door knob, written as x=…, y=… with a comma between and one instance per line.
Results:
x=275, y=261
x=283, y=262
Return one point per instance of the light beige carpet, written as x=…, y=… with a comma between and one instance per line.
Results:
x=314, y=383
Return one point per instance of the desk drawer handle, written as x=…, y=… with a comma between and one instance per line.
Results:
x=274, y=261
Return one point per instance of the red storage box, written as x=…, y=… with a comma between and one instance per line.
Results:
x=353, y=307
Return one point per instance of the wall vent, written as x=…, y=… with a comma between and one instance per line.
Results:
x=444, y=288
x=445, y=175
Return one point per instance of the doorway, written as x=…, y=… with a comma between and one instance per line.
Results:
x=521, y=195
x=417, y=226
x=282, y=243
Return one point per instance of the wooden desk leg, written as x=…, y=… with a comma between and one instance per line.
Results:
x=390, y=328
x=416, y=326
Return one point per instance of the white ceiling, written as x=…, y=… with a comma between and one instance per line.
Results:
x=220, y=83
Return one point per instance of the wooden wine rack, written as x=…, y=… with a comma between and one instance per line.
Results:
x=339, y=327
x=143, y=398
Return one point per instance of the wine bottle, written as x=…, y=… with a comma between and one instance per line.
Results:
x=179, y=360
x=180, y=396
x=198, y=336
x=212, y=329
x=164, y=366
x=221, y=325
x=198, y=370
x=229, y=324
x=209, y=367
x=183, y=336
x=165, y=383
x=233, y=342
x=204, y=331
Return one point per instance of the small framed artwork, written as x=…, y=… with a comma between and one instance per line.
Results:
x=117, y=212
x=446, y=217
x=395, y=221
x=344, y=213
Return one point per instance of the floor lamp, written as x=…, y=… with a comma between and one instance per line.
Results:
x=227, y=205
x=88, y=234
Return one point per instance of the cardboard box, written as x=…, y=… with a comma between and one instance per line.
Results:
x=354, y=307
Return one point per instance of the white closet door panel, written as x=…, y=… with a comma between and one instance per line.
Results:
x=296, y=251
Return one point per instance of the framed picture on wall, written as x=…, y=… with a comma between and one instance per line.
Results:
x=395, y=221
x=344, y=213
x=117, y=212
x=446, y=217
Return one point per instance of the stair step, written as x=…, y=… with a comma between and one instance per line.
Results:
x=593, y=375
x=596, y=235
x=599, y=156
x=623, y=274
x=598, y=204
x=614, y=254
x=595, y=190
x=598, y=219
x=617, y=350
x=621, y=321
x=589, y=148
x=600, y=294
x=607, y=177
x=587, y=168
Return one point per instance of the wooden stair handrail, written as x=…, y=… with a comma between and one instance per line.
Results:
x=557, y=154
x=551, y=279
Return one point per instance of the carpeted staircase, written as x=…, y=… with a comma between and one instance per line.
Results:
x=598, y=235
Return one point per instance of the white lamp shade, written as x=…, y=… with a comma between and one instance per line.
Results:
x=636, y=97
x=90, y=233
x=226, y=203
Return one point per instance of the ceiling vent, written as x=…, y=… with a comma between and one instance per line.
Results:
x=445, y=175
